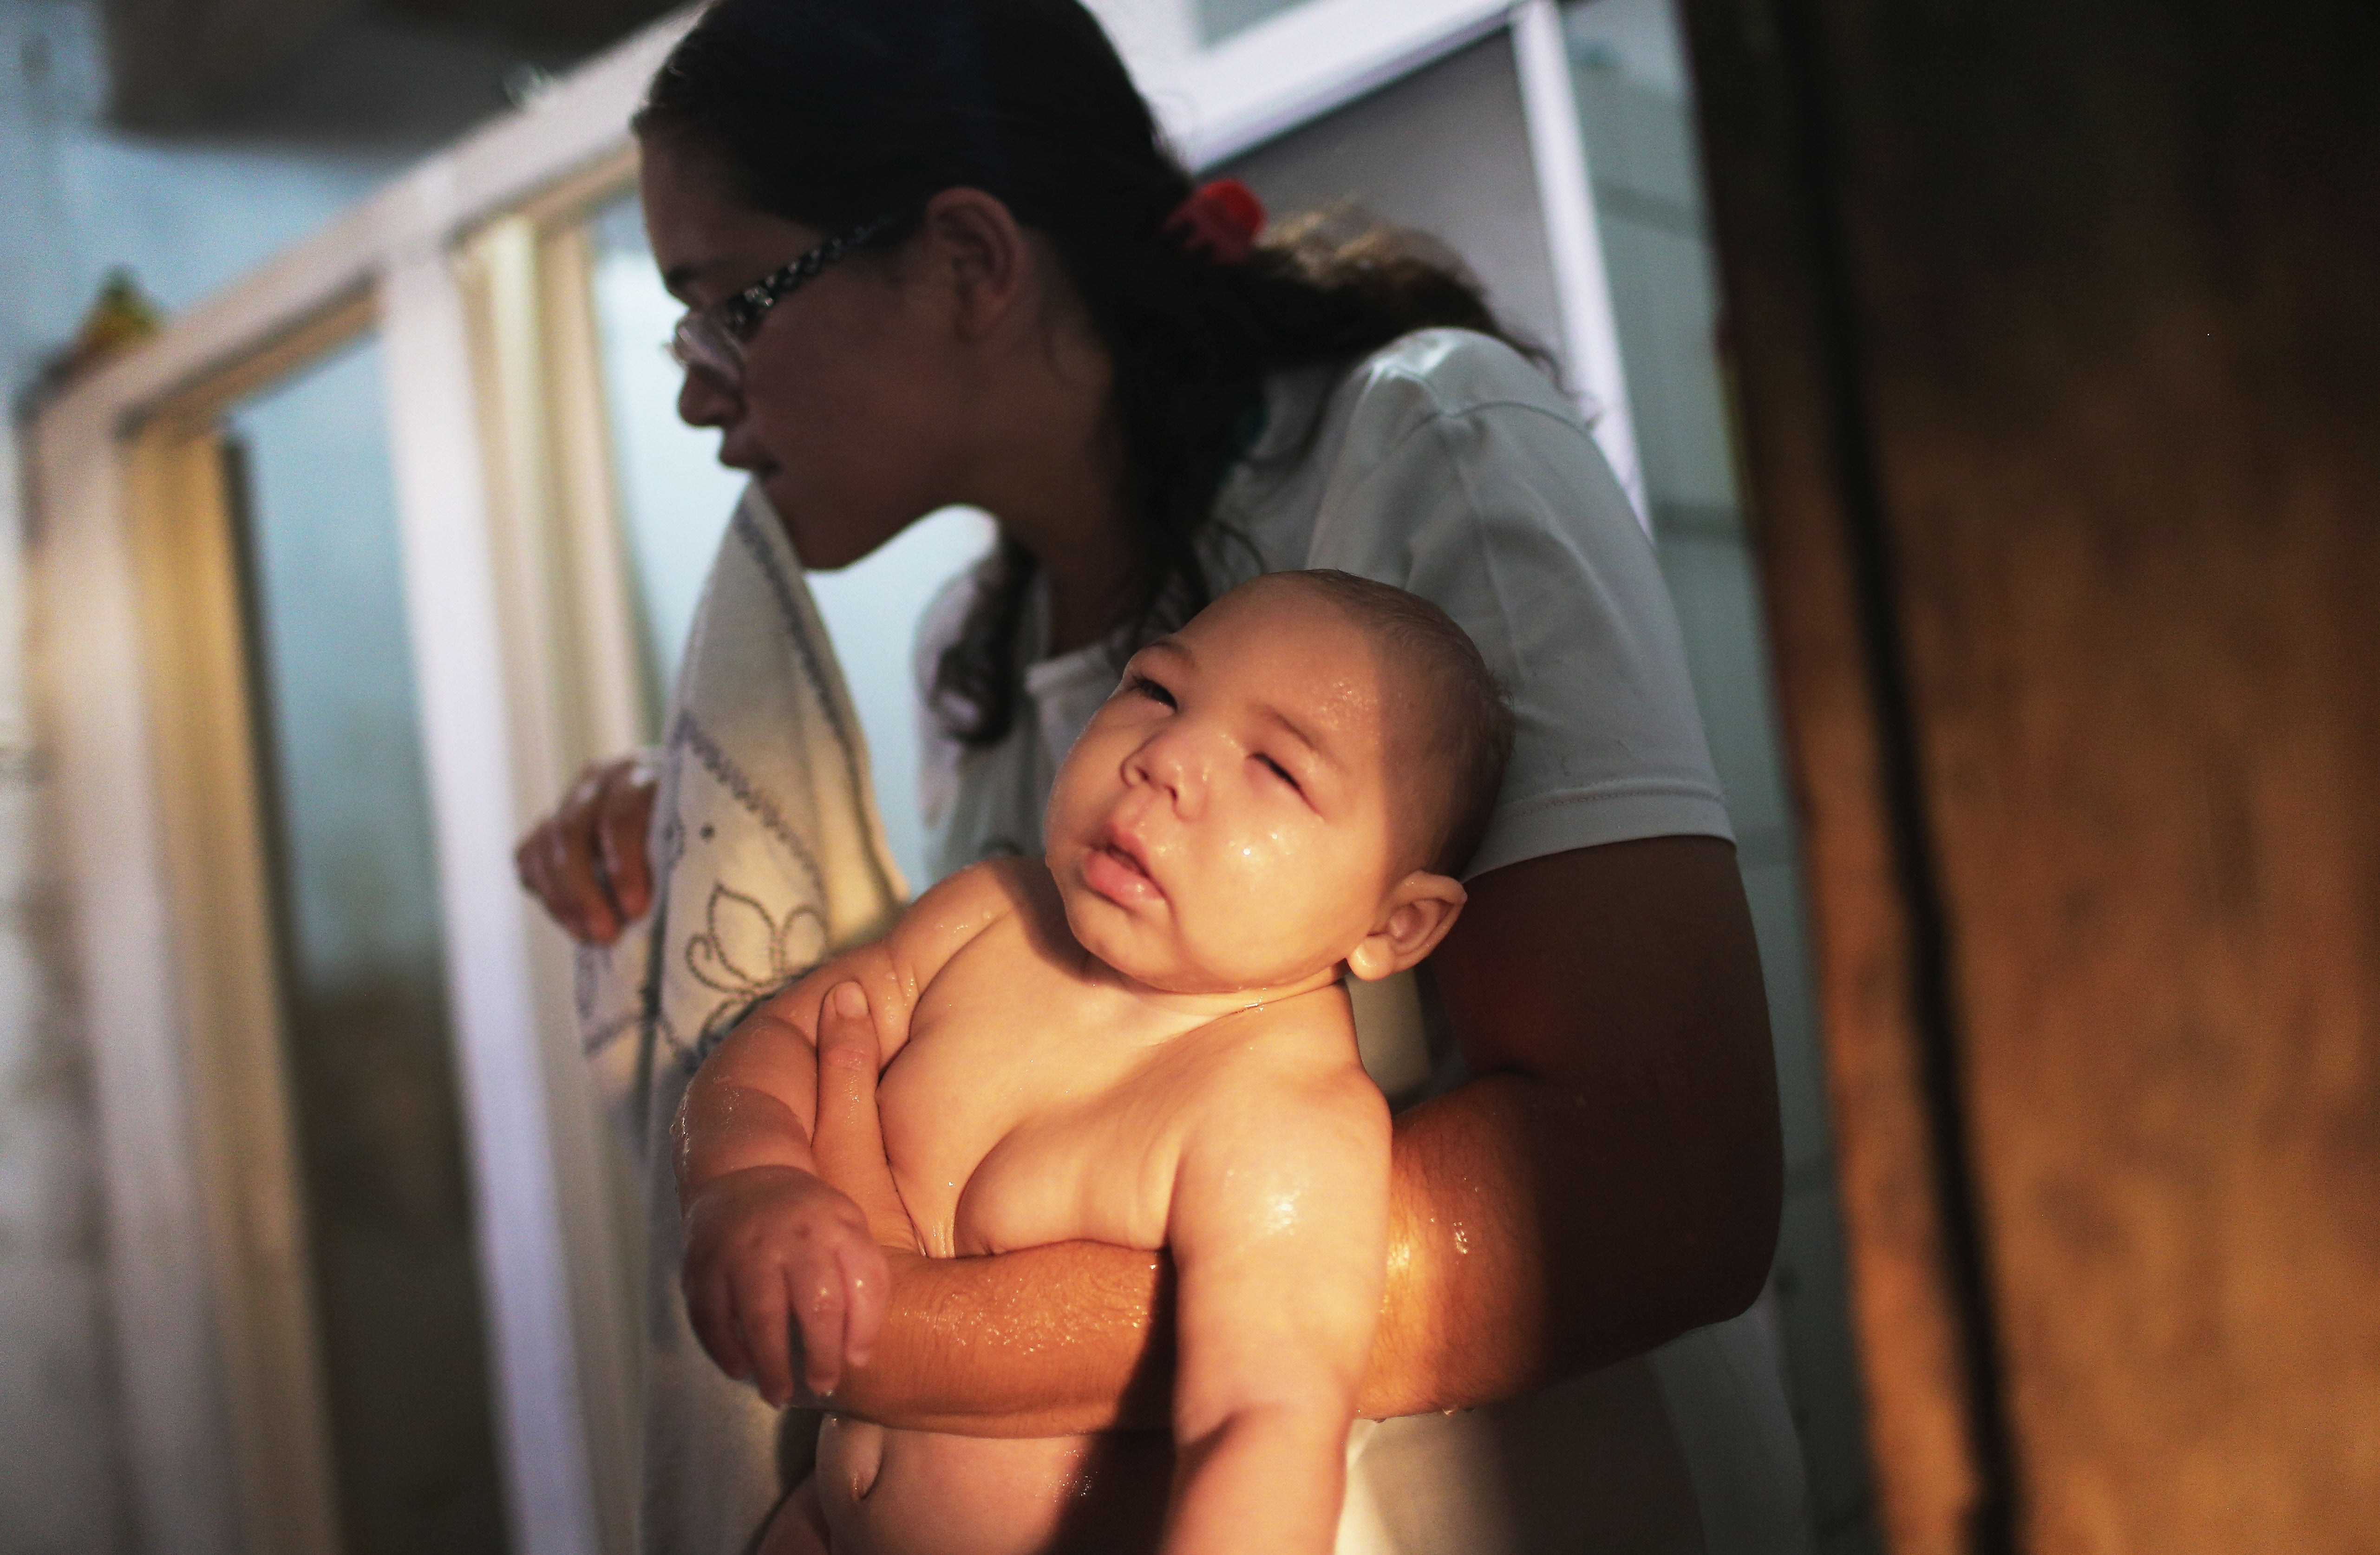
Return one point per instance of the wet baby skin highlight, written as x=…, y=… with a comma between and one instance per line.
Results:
x=1141, y=1040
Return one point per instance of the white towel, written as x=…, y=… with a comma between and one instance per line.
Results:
x=767, y=854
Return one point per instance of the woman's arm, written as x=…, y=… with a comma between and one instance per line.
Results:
x=1610, y=1179
x=1613, y=1175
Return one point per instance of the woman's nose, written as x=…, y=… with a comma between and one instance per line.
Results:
x=705, y=399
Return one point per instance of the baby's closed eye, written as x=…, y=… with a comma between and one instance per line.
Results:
x=1278, y=771
x=1141, y=685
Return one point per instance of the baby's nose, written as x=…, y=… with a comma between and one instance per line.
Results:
x=1176, y=765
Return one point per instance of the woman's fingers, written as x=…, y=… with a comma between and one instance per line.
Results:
x=529, y=863
x=575, y=861
x=586, y=863
x=558, y=874
x=568, y=881
x=848, y=1144
x=848, y=1141
x=533, y=862
x=625, y=814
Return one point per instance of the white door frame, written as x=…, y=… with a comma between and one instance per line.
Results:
x=544, y=1229
x=1582, y=284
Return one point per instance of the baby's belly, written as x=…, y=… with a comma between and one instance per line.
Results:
x=889, y=1492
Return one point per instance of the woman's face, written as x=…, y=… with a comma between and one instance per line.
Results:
x=850, y=413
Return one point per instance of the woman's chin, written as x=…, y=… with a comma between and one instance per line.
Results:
x=825, y=537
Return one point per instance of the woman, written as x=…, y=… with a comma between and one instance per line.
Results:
x=1004, y=293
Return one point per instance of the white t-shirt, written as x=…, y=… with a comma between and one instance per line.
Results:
x=1446, y=465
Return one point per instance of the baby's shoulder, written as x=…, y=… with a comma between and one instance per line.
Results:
x=1284, y=1110
x=960, y=907
x=1286, y=1061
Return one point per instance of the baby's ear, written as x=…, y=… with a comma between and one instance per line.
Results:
x=1413, y=920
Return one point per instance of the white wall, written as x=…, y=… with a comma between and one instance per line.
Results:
x=1445, y=153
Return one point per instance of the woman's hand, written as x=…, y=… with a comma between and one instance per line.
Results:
x=585, y=862
x=1104, y=1361
x=784, y=1276
x=848, y=1138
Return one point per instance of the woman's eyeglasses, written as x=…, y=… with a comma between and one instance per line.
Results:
x=712, y=338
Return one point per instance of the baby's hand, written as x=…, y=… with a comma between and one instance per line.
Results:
x=769, y=1247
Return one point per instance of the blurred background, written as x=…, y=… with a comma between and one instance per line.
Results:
x=317, y=316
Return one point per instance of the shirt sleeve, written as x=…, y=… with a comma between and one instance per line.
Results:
x=1464, y=477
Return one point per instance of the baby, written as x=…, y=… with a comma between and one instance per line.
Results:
x=1141, y=1040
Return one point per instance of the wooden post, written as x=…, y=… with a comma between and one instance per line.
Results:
x=2058, y=349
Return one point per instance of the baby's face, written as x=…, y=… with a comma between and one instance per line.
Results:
x=1224, y=824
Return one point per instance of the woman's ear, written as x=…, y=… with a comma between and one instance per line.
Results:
x=976, y=249
x=1414, y=919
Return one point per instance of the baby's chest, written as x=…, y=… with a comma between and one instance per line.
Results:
x=1012, y=1120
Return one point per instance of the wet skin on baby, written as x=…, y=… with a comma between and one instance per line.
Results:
x=1140, y=1039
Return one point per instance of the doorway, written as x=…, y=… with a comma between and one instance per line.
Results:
x=358, y=959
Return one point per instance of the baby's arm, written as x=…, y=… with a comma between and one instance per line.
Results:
x=767, y=1242
x=1278, y=1231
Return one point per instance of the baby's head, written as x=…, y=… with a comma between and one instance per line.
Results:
x=1289, y=780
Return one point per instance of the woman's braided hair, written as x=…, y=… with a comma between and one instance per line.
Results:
x=831, y=112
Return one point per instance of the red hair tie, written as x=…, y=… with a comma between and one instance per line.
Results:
x=1220, y=220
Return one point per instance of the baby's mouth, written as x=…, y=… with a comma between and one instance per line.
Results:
x=1113, y=867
